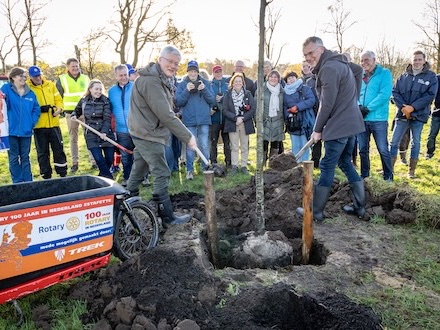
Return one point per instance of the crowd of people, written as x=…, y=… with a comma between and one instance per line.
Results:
x=332, y=99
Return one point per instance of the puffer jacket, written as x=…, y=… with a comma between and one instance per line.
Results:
x=338, y=114
x=49, y=99
x=151, y=115
x=23, y=111
x=273, y=127
x=195, y=107
x=98, y=115
x=120, y=101
x=418, y=91
x=304, y=99
x=375, y=95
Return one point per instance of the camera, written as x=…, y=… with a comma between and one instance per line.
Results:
x=196, y=86
x=215, y=108
x=46, y=108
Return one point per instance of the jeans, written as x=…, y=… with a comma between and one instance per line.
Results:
x=149, y=155
x=201, y=133
x=338, y=152
x=19, y=161
x=172, y=153
x=299, y=141
x=400, y=127
x=125, y=140
x=379, y=130
x=104, y=160
x=433, y=132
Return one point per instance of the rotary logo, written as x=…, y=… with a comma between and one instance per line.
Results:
x=59, y=254
x=72, y=223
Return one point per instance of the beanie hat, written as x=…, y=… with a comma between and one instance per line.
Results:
x=34, y=71
x=216, y=68
x=192, y=65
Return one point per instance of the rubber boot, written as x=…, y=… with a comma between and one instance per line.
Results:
x=320, y=198
x=403, y=157
x=165, y=211
x=412, y=168
x=358, y=196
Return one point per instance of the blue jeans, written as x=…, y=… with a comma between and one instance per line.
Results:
x=298, y=141
x=379, y=130
x=104, y=160
x=19, y=161
x=400, y=127
x=433, y=132
x=124, y=139
x=337, y=152
x=172, y=153
x=201, y=133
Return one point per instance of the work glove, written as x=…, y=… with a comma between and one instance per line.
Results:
x=293, y=109
x=407, y=109
x=364, y=110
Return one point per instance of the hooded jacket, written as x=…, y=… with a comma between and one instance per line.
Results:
x=195, y=107
x=151, y=115
x=23, y=111
x=375, y=95
x=47, y=95
x=120, y=102
x=338, y=113
x=418, y=91
x=219, y=86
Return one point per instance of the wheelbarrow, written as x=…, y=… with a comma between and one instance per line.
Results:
x=57, y=229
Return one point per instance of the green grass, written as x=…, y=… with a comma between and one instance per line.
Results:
x=410, y=307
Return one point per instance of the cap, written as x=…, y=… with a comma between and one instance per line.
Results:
x=192, y=65
x=34, y=71
x=216, y=68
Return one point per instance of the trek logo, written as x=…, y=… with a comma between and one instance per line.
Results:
x=59, y=254
x=86, y=248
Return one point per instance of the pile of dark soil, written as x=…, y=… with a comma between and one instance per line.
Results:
x=175, y=286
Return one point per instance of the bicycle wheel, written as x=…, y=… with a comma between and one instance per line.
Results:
x=128, y=241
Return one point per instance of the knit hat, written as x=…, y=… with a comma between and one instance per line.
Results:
x=34, y=71
x=216, y=68
x=192, y=65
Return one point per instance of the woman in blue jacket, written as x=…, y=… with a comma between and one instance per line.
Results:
x=298, y=101
x=23, y=113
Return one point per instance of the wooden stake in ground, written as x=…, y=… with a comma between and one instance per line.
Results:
x=307, y=193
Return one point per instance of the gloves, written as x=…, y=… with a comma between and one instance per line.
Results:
x=73, y=116
x=364, y=110
x=293, y=109
x=407, y=109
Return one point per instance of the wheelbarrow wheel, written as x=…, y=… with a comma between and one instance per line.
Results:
x=129, y=240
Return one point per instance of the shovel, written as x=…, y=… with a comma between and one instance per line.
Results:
x=303, y=149
x=219, y=171
x=103, y=136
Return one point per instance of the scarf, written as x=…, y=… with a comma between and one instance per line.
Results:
x=292, y=88
x=237, y=98
x=274, y=103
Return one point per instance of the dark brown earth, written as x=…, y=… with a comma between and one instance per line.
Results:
x=175, y=286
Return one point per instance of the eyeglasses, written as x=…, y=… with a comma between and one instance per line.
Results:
x=311, y=52
x=171, y=62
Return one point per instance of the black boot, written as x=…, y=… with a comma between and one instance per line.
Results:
x=165, y=211
x=358, y=206
x=320, y=198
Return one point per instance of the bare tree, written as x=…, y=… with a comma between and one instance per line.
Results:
x=88, y=54
x=179, y=38
x=34, y=22
x=18, y=26
x=273, y=17
x=390, y=58
x=340, y=22
x=4, y=51
x=139, y=23
x=431, y=30
x=259, y=179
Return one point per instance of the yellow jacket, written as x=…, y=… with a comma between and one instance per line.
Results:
x=47, y=95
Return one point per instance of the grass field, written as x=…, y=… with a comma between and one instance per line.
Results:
x=397, y=306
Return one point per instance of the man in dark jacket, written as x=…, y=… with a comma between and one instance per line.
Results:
x=435, y=124
x=337, y=122
x=150, y=121
x=413, y=94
